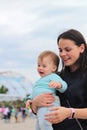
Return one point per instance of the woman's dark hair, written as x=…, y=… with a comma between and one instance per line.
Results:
x=79, y=39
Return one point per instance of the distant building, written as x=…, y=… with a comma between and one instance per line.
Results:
x=6, y=97
x=18, y=85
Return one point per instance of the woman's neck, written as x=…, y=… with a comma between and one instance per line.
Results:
x=73, y=68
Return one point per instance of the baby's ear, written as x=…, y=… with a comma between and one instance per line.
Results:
x=54, y=68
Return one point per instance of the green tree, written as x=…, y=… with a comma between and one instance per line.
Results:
x=3, y=89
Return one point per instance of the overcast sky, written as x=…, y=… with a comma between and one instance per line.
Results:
x=27, y=27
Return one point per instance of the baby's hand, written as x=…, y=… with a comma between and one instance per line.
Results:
x=55, y=84
x=28, y=104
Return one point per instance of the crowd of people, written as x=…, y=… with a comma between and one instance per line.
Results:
x=18, y=114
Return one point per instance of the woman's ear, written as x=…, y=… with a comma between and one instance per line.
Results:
x=82, y=47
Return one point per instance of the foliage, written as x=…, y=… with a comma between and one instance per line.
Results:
x=17, y=103
x=3, y=89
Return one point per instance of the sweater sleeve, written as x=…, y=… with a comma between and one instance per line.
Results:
x=64, y=85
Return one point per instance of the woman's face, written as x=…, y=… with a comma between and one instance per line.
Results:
x=69, y=52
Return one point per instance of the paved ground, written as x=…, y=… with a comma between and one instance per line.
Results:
x=28, y=124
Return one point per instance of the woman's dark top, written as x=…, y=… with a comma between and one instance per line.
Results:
x=76, y=97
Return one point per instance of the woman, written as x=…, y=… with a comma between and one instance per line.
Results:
x=73, y=113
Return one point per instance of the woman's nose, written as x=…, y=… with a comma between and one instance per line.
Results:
x=63, y=53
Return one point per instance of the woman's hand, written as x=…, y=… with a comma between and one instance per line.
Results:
x=58, y=114
x=42, y=100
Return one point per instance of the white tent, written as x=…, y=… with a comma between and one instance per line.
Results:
x=6, y=97
x=18, y=85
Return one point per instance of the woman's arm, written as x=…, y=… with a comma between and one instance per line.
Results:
x=58, y=114
x=81, y=113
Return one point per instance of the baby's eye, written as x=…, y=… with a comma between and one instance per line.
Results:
x=44, y=66
x=38, y=65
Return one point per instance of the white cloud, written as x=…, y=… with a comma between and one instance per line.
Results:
x=29, y=27
x=16, y=22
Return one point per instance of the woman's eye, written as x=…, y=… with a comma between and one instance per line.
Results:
x=60, y=50
x=68, y=49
